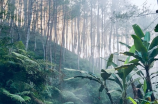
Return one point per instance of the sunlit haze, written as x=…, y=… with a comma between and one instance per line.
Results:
x=152, y=4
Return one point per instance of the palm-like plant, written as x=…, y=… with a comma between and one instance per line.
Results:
x=122, y=75
x=145, y=53
x=119, y=76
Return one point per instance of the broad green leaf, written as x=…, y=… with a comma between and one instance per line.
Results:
x=105, y=74
x=129, y=78
x=138, y=44
x=113, y=64
x=128, y=53
x=145, y=101
x=127, y=60
x=140, y=47
x=124, y=70
x=69, y=79
x=138, y=31
x=134, y=61
x=153, y=52
x=139, y=72
x=121, y=60
x=138, y=56
x=156, y=28
x=132, y=50
x=146, y=44
x=145, y=86
x=122, y=67
x=92, y=74
x=154, y=43
x=151, y=64
x=87, y=77
x=125, y=45
x=109, y=61
x=117, y=80
x=147, y=36
x=132, y=100
x=114, y=91
x=132, y=54
x=148, y=94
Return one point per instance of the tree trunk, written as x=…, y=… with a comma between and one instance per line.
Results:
x=78, y=49
x=72, y=37
x=67, y=31
x=50, y=38
x=136, y=91
x=1, y=11
x=91, y=35
x=102, y=40
x=61, y=47
x=110, y=38
x=127, y=41
x=149, y=85
x=55, y=29
x=35, y=21
x=117, y=42
x=48, y=32
x=98, y=37
x=25, y=13
x=29, y=23
x=42, y=29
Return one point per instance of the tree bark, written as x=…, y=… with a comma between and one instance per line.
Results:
x=61, y=47
x=91, y=35
x=117, y=42
x=55, y=29
x=98, y=37
x=78, y=49
x=149, y=85
x=25, y=14
x=48, y=32
x=72, y=35
x=29, y=23
x=110, y=38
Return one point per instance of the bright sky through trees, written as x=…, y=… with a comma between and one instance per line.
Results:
x=150, y=3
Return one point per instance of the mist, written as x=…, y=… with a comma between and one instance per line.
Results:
x=61, y=51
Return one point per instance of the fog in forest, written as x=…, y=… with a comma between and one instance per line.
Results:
x=78, y=51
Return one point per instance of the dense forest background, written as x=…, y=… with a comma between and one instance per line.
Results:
x=59, y=36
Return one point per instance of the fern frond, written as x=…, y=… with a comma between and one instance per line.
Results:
x=22, y=86
x=26, y=98
x=44, y=63
x=12, y=96
x=24, y=58
x=24, y=93
x=48, y=102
